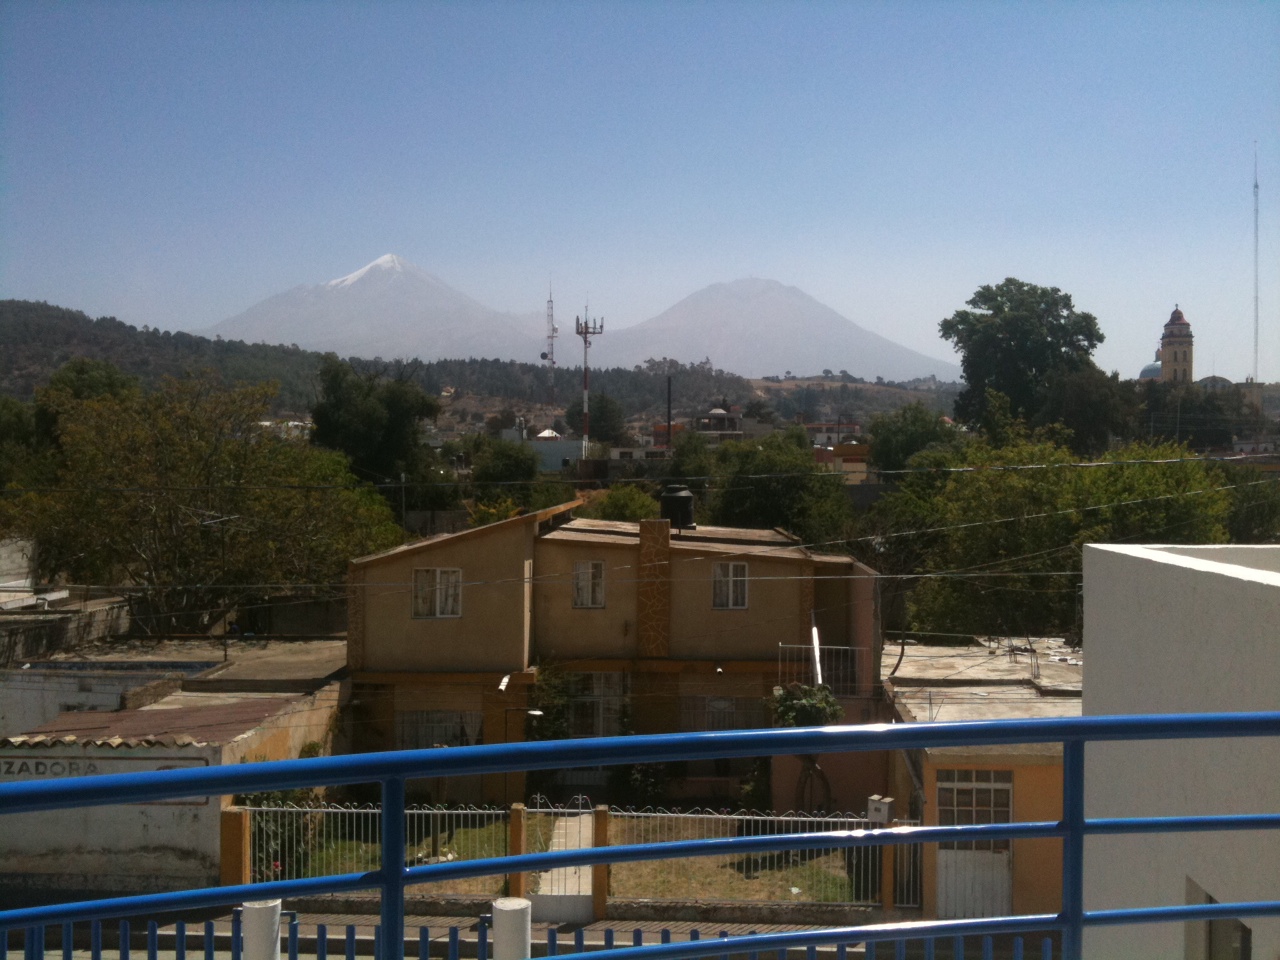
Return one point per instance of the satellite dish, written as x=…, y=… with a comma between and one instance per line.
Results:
x=543, y=355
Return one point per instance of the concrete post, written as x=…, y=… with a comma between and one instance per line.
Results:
x=233, y=847
x=261, y=928
x=512, y=928
x=517, y=883
x=600, y=871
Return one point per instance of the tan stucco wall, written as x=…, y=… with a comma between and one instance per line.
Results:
x=493, y=631
x=777, y=611
x=1037, y=864
x=308, y=719
x=562, y=632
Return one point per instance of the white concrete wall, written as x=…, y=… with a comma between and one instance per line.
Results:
x=133, y=848
x=31, y=698
x=17, y=563
x=1181, y=631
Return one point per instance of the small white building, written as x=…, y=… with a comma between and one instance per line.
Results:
x=1182, y=629
x=143, y=847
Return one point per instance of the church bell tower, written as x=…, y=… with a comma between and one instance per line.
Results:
x=1176, y=349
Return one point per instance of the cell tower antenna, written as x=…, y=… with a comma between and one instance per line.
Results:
x=553, y=331
x=586, y=328
x=1255, y=263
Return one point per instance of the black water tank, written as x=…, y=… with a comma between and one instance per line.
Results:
x=677, y=506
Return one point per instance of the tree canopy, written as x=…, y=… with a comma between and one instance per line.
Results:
x=897, y=437
x=994, y=532
x=1014, y=339
x=775, y=482
x=608, y=422
x=184, y=499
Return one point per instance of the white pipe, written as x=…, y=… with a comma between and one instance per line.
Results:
x=261, y=930
x=512, y=926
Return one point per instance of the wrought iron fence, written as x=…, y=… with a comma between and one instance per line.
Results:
x=292, y=841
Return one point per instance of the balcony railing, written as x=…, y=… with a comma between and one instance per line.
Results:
x=391, y=770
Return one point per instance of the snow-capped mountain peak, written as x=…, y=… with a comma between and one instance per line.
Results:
x=387, y=262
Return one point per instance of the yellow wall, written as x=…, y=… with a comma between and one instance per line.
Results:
x=1037, y=795
x=777, y=609
x=493, y=631
x=561, y=631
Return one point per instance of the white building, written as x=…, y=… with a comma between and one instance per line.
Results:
x=1182, y=630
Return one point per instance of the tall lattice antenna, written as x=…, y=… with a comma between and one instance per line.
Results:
x=1255, y=262
x=553, y=331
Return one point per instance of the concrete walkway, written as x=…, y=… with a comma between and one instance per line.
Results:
x=572, y=832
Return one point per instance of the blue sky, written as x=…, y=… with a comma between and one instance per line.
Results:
x=173, y=163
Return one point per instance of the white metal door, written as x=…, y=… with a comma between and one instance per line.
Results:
x=974, y=883
x=975, y=877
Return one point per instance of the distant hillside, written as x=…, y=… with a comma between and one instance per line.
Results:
x=37, y=338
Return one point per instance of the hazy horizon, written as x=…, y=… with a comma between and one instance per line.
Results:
x=174, y=164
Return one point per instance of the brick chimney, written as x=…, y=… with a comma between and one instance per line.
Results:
x=653, y=613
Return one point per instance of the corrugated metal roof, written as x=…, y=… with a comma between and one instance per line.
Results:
x=211, y=724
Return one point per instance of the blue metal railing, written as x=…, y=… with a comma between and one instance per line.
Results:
x=391, y=770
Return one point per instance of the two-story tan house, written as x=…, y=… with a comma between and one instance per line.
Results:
x=673, y=630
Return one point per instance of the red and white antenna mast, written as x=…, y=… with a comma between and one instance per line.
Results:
x=586, y=328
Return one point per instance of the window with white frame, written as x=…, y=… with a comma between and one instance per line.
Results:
x=437, y=592
x=729, y=586
x=588, y=583
x=975, y=796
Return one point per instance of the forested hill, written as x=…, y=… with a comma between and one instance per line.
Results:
x=37, y=338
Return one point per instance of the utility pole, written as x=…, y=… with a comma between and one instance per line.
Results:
x=1255, y=275
x=586, y=328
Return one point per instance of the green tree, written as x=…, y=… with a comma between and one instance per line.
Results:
x=1013, y=339
x=608, y=422
x=185, y=499
x=775, y=482
x=996, y=541
x=373, y=420
x=503, y=469
x=798, y=705
x=624, y=501
x=897, y=437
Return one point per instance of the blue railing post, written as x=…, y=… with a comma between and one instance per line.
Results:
x=393, y=857
x=1073, y=850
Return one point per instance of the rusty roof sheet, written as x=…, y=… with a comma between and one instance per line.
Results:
x=188, y=725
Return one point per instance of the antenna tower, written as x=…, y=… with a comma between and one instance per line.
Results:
x=1255, y=267
x=549, y=354
x=586, y=328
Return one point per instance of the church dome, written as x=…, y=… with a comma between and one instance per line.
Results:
x=1151, y=371
x=1177, y=319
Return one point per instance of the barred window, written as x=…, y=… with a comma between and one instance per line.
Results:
x=423, y=729
x=588, y=583
x=729, y=586
x=437, y=592
x=975, y=796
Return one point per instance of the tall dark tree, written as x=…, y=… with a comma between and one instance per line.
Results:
x=608, y=423
x=897, y=437
x=373, y=420
x=1016, y=336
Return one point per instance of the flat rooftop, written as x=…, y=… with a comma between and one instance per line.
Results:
x=246, y=659
x=1019, y=679
x=1048, y=665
